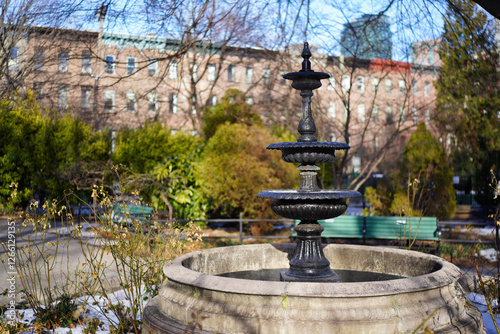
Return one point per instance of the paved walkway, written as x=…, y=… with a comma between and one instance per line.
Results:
x=69, y=258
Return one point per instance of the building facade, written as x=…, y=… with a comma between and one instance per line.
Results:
x=120, y=80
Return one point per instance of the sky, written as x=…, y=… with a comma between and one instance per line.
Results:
x=319, y=21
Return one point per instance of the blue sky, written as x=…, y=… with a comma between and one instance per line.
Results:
x=411, y=20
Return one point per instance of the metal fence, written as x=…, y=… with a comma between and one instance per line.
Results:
x=240, y=223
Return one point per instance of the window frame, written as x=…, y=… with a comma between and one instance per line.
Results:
x=152, y=67
x=152, y=97
x=109, y=92
x=131, y=66
x=249, y=75
x=388, y=86
x=266, y=76
x=231, y=73
x=173, y=70
x=62, y=91
x=14, y=63
x=212, y=72
x=86, y=62
x=131, y=101
x=63, y=62
x=173, y=103
x=39, y=60
x=86, y=98
x=109, y=67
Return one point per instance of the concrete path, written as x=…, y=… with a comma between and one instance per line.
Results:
x=69, y=258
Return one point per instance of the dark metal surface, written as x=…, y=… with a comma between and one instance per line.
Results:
x=308, y=203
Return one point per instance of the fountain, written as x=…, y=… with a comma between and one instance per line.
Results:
x=286, y=288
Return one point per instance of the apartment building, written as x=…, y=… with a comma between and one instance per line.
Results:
x=122, y=80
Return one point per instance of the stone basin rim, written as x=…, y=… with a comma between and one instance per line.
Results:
x=445, y=275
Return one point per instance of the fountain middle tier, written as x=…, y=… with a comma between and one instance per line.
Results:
x=308, y=152
x=305, y=205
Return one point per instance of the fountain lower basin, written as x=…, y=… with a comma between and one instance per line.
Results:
x=197, y=298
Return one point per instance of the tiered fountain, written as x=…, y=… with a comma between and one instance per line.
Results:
x=309, y=203
x=248, y=289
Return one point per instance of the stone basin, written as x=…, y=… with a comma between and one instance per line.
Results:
x=195, y=300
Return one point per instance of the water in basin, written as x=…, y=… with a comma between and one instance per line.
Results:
x=346, y=275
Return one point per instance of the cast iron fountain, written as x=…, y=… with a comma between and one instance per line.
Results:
x=308, y=203
x=247, y=289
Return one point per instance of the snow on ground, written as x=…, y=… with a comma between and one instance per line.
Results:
x=96, y=309
x=97, y=306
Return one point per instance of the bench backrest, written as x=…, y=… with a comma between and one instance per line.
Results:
x=419, y=228
x=378, y=227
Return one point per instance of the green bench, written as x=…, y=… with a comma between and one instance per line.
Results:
x=379, y=227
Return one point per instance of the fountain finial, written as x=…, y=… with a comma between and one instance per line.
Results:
x=306, y=54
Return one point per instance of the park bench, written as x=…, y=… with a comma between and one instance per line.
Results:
x=382, y=228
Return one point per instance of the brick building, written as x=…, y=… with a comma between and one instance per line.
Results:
x=119, y=80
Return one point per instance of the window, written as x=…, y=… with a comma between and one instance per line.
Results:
x=361, y=84
x=266, y=74
x=346, y=83
x=345, y=113
x=213, y=100
x=212, y=72
x=109, y=100
x=231, y=73
x=331, y=110
x=62, y=97
x=62, y=61
x=427, y=116
x=86, y=97
x=374, y=85
x=172, y=70
x=356, y=164
x=414, y=87
x=195, y=101
x=38, y=89
x=250, y=100
x=249, y=75
x=388, y=114
x=152, y=67
x=414, y=113
x=193, y=75
x=39, y=60
x=282, y=80
x=427, y=88
x=375, y=113
x=388, y=86
x=131, y=101
x=173, y=103
x=14, y=59
x=376, y=143
x=361, y=112
x=152, y=102
x=86, y=63
x=402, y=87
x=130, y=65
x=331, y=83
x=109, y=64
x=402, y=114
x=430, y=55
x=113, y=140
x=333, y=137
